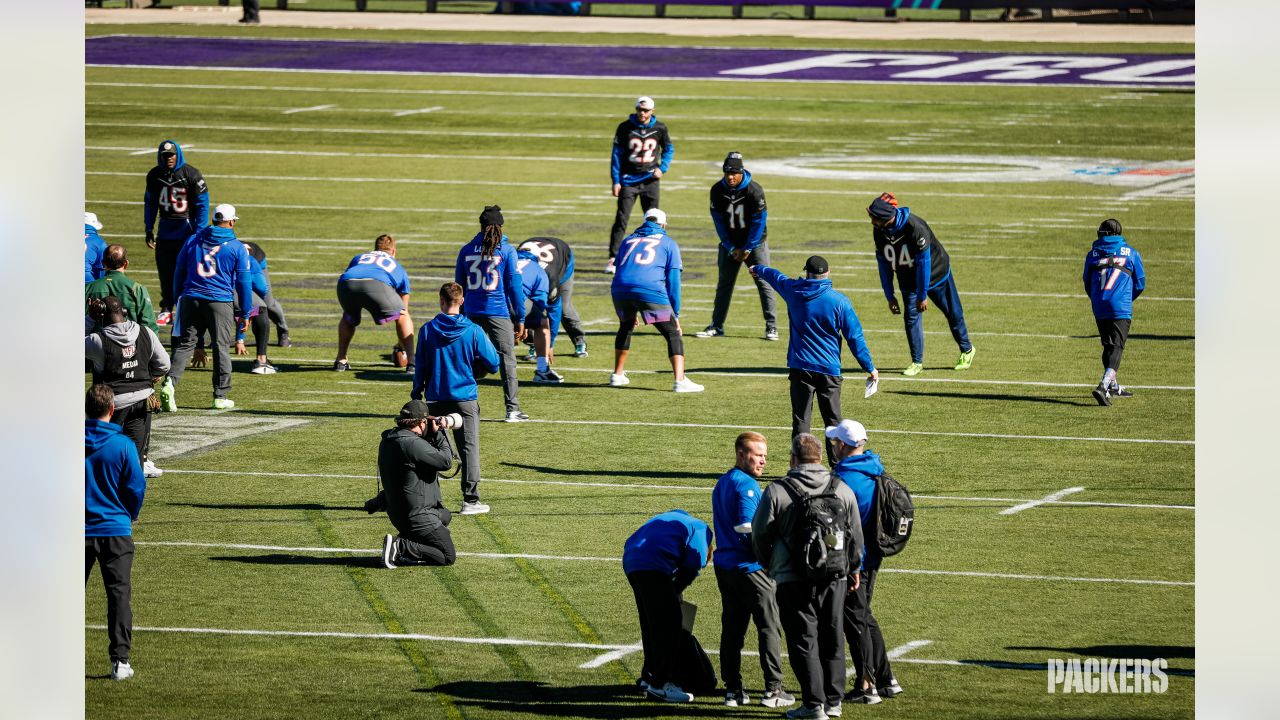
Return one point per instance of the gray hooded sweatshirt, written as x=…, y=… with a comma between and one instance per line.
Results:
x=126, y=333
x=775, y=518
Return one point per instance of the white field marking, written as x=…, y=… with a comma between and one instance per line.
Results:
x=610, y=656
x=313, y=108
x=642, y=78
x=995, y=436
x=687, y=488
x=328, y=392
x=521, y=556
x=1121, y=98
x=419, y=111
x=282, y=401
x=895, y=653
x=1047, y=498
x=180, y=433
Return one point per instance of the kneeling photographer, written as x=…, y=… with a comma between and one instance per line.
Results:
x=410, y=456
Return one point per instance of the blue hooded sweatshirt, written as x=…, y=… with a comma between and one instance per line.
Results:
x=620, y=150
x=755, y=226
x=94, y=246
x=1112, y=289
x=492, y=284
x=451, y=353
x=214, y=265
x=733, y=504
x=534, y=280
x=819, y=315
x=671, y=542
x=649, y=267
x=859, y=473
x=113, y=481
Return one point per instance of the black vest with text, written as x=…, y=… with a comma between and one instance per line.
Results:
x=126, y=368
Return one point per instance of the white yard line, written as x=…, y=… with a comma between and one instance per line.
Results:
x=610, y=656
x=313, y=108
x=1046, y=499
x=905, y=648
x=570, y=558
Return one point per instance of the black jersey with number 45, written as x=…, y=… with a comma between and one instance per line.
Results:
x=901, y=251
x=555, y=257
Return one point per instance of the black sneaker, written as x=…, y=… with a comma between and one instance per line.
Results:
x=282, y=339
x=1102, y=395
x=390, y=548
x=862, y=696
x=341, y=366
x=893, y=689
x=1121, y=392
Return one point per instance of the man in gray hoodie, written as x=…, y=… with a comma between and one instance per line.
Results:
x=126, y=357
x=812, y=611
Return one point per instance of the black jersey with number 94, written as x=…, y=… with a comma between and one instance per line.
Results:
x=903, y=249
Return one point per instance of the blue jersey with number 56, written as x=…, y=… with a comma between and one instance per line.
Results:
x=648, y=267
x=491, y=284
x=378, y=265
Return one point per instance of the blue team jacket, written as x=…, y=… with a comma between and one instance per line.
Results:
x=653, y=282
x=534, y=279
x=113, y=481
x=666, y=543
x=819, y=315
x=1112, y=291
x=94, y=246
x=451, y=353
x=733, y=503
x=493, y=285
x=859, y=473
x=214, y=265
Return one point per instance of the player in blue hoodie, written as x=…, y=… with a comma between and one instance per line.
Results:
x=642, y=152
x=176, y=194
x=94, y=246
x=819, y=316
x=212, y=271
x=660, y=560
x=1113, y=279
x=486, y=269
x=739, y=213
x=452, y=353
x=859, y=467
x=537, y=286
x=113, y=490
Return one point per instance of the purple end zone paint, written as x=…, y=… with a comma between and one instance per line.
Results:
x=1112, y=70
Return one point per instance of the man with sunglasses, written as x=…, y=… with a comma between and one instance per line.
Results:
x=642, y=152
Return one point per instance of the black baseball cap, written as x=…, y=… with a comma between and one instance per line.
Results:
x=1110, y=227
x=880, y=209
x=816, y=265
x=492, y=215
x=414, y=410
x=733, y=163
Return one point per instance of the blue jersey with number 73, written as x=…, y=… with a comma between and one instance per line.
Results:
x=648, y=267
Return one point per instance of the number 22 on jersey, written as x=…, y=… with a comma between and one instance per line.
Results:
x=642, y=150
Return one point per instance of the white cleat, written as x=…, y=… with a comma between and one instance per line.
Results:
x=685, y=385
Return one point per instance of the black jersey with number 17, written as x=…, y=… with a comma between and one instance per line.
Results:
x=901, y=249
x=555, y=257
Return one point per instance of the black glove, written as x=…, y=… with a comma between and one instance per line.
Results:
x=151, y=239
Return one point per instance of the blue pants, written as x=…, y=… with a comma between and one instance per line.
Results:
x=946, y=299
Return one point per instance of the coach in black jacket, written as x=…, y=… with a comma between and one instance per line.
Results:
x=739, y=214
x=409, y=457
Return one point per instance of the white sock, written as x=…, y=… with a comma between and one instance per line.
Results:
x=1108, y=378
x=542, y=363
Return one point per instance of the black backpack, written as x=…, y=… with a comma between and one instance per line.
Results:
x=894, y=513
x=819, y=534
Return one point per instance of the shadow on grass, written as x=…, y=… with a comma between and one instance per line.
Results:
x=266, y=506
x=389, y=416
x=1143, y=336
x=605, y=702
x=1148, y=652
x=344, y=560
x=989, y=396
x=613, y=473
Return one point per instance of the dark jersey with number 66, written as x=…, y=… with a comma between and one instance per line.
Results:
x=556, y=258
x=904, y=249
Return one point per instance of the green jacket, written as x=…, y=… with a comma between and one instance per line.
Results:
x=134, y=297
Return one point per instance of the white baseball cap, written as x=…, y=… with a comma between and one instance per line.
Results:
x=849, y=432
x=91, y=219
x=644, y=102
x=225, y=212
x=656, y=215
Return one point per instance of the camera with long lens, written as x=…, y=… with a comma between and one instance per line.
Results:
x=448, y=422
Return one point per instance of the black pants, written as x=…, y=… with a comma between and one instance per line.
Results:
x=166, y=262
x=1114, y=333
x=115, y=555
x=813, y=618
x=647, y=191
x=627, y=326
x=743, y=597
x=433, y=547
x=135, y=420
x=251, y=9
x=805, y=384
x=866, y=643
x=658, y=603
x=728, y=276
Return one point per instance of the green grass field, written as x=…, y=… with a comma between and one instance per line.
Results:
x=538, y=591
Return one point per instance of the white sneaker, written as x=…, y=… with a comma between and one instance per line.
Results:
x=120, y=670
x=150, y=470
x=685, y=385
x=223, y=403
x=669, y=693
x=389, y=552
x=618, y=379
x=473, y=508
x=806, y=713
